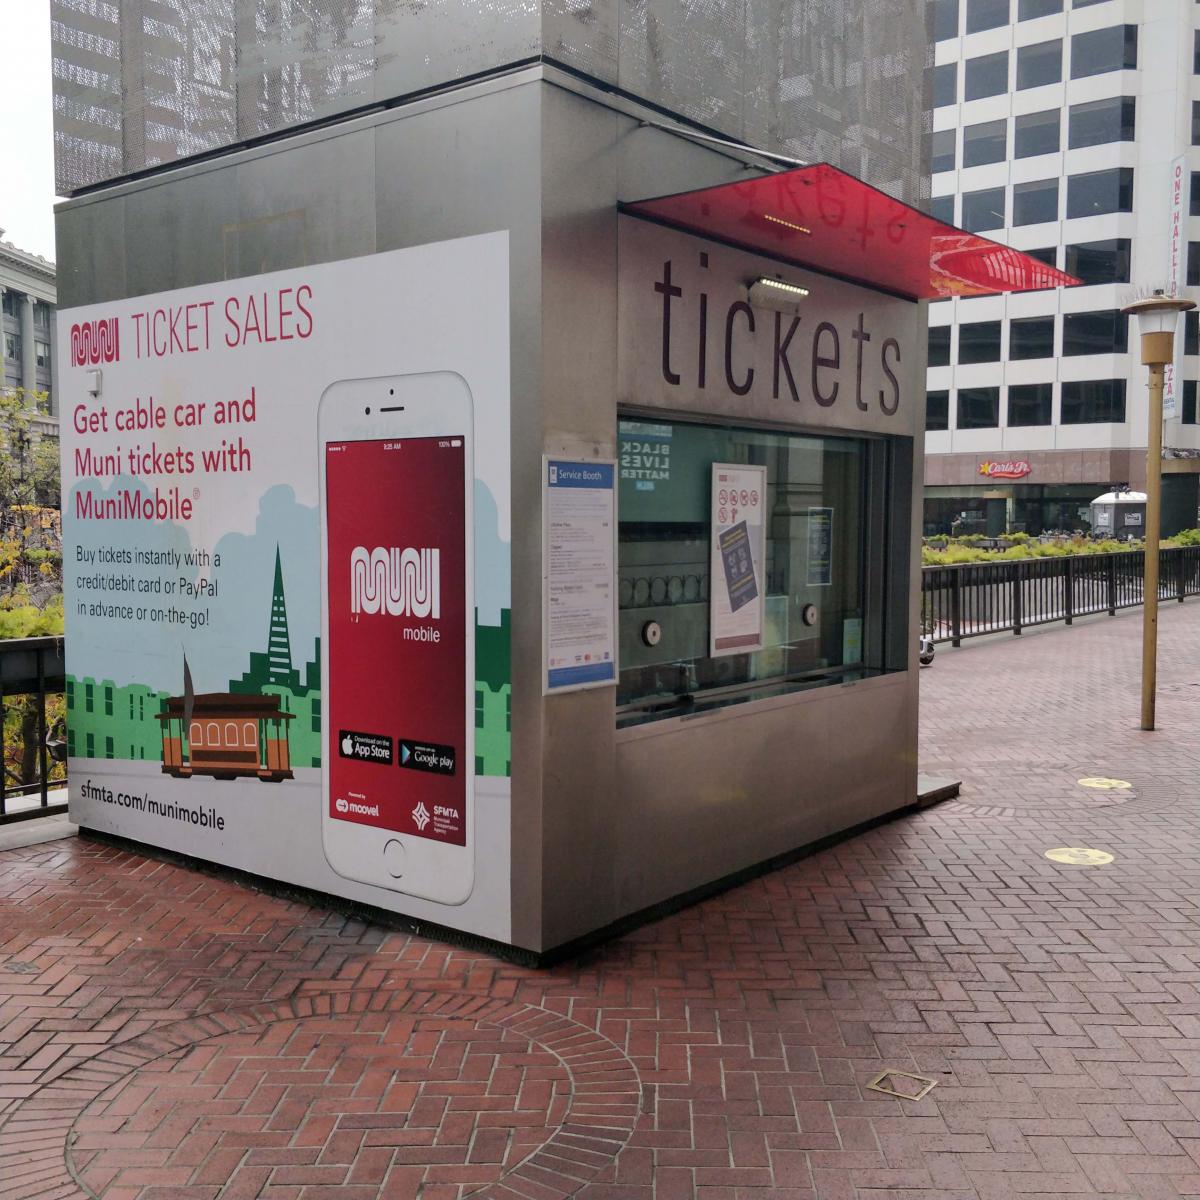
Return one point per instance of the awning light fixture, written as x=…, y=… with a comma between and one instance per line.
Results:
x=786, y=224
x=778, y=294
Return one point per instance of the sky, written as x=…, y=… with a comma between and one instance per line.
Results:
x=26, y=126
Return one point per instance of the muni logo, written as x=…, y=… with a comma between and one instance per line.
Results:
x=401, y=583
x=94, y=342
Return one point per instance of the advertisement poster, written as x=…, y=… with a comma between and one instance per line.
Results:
x=738, y=559
x=214, y=458
x=820, y=547
x=1176, y=276
x=580, y=564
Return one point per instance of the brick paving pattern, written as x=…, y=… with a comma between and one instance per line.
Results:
x=167, y=1035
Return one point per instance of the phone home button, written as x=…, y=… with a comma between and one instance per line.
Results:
x=393, y=858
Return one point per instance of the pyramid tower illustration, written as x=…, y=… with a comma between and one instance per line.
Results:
x=279, y=644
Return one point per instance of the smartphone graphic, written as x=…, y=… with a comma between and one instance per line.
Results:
x=398, y=633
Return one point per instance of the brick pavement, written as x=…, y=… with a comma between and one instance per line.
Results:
x=166, y=1034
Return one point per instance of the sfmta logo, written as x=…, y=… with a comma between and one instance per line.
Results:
x=401, y=583
x=94, y=342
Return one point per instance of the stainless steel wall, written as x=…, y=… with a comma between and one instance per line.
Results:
x=144, y=82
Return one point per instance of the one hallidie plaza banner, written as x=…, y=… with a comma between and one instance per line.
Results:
x=286, y=560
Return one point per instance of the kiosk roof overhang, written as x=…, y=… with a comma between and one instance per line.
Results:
x=820, y=217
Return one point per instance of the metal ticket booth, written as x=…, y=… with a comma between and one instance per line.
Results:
x=603, y=296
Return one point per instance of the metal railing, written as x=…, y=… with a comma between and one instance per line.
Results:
x=970, y=599
x=32, y=755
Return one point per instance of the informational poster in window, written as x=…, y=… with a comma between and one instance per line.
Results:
x=820, y=547
x=737, y=585
x=580, y=571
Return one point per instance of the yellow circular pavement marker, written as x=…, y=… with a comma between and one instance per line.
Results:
x=1079, y=856
x=1107, y=785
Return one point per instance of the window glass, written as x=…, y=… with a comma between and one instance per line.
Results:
x=1095, y=332
x=1105, y=261
x=937, y=410
x=986, y=76
x=42, y=351
x=945, y=84
x=943, y=19
x=1187, y=414
x=12, y=346
x=1193, y=264
x=1191, y=332
x=1027, y=10
x=1101, y=50
x=1196, y=52
x=664, y=556
x=983, y=210
x=1031, y=337
x=978, y=408
x=939, y=345
x=1036, y=133
x=1036, y=202
x=1100, y=192
x=1029, y=404
x=979, y=341
x=1196, y=122
x=941, y=151
x=986, y=14
x=985, y=143
x=8, y=302
x=1039, y=64
x=1101, y=121
x=41, y=315
x=941, y=208
x=1194, y=195
x=1093, y=401
x=1047, y=255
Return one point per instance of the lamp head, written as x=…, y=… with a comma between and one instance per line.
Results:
x=1158, y=318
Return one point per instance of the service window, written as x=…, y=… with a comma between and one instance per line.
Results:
x=824, y=521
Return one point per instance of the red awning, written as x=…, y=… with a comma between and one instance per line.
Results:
x=820, y=217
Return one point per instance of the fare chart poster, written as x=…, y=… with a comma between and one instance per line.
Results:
x=737, y=593
x=192, y=565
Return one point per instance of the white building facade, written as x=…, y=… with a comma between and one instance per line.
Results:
x=1056, y=126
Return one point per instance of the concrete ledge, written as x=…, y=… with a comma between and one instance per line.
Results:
x=933, y=789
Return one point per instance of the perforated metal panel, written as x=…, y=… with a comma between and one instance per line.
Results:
x=143, y=82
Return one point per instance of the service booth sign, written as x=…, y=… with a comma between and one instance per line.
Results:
x=737, y=593
x=286, y=547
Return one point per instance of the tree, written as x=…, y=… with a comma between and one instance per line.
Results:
x=30, y=523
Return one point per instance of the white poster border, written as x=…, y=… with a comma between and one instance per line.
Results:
x=714, y=560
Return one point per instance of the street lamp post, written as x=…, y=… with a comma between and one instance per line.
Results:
x=1158, y=317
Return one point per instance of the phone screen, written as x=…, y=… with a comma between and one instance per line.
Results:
x=396, y=723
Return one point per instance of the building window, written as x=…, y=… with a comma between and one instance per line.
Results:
x=1093, y=402
x=978, y=408
x=979, y=341
x=986, y=76
x=1031, y=337
x=941, y=208
x=937, y=410
x=1105, y=261
x=479, y=709
x=1028, y=10
x=1194, y=195
x=42, y=352
x=508, y=712
x=12, y=347
x=41, y=315
x=1191, y=332
x=939, y=345
x=1029, y=404
x=1035, y=203
x=1196, y=122
x=942, y=151
x=986, y=14
x=8, y=302
x=1193, y=264
x=983, y=210
x=1039, y=64
x=1047, y=255
x=90, y=742
x=1101, y=50
x=108, y=748
x=1187, y=413
x=1101, y=121
x=1103, y=332
x=88, y=696
x=943, y=19
x=1096, y=192
x=1196, y=52
x=1036, y=133
x=945, y=84
x=663, y=536
x=108, y=700
x=985, y=143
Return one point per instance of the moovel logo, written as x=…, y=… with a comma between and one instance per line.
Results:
x=401, y=583
x=95, y=342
